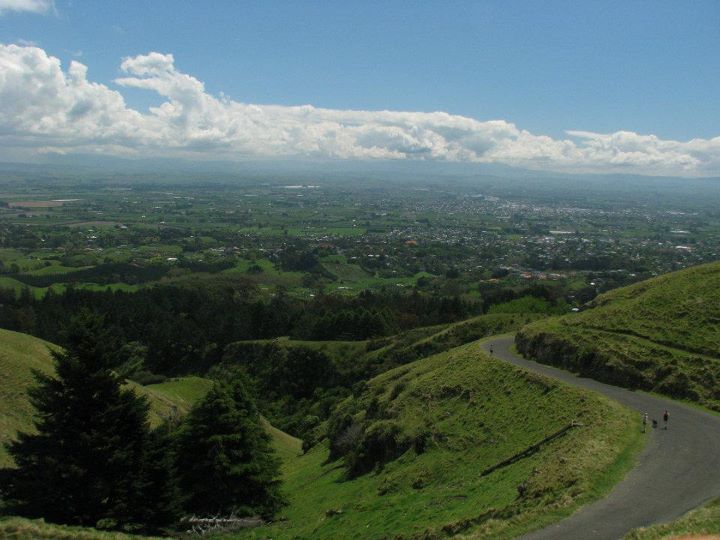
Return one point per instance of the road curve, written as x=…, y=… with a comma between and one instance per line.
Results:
x=678, y=470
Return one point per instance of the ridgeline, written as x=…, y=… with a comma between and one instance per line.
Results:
x=660, y=335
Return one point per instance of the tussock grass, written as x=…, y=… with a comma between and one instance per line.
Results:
x=699, y=523
x=36, y=529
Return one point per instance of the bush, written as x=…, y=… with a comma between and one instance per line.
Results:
x=380, y=443
x=343, y=433
x=145, y=378
x=678, y=385
x=348, y=439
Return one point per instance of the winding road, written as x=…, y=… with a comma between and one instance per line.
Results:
x=678, y=470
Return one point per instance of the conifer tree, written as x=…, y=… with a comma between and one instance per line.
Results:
x=84, y=464
x=224, y=459
x=160, y=499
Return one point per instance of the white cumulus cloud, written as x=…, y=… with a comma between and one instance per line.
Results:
x=31, y=6
x=50, y=109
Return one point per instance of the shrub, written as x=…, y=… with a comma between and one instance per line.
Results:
x=145, y=378
x=380, y=443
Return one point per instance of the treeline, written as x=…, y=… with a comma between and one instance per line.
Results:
x=493, y=294
x=101, y=274
x=391, y=311
x=295, y=387
x=94, y=461
x=184, y=328
x=116, y=272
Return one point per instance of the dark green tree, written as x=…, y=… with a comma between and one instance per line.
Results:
x=224, y=459
x=84, y=464
x=160, y=499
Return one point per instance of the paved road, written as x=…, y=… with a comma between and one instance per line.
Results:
x=679, y=469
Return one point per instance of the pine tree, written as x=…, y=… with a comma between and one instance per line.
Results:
x=224, y=459
x=84, y=463
x=160, y=500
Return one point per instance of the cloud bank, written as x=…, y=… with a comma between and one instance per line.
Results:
x=44, y=108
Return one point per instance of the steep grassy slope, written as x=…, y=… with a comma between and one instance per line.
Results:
x=19, y=355
x=407, y=348
x=337, y=366
x=421, y=342
x=473, y=412
x=286, y=446
x=661, y=335
x=701, y=523
x=680, y=309
x=174, y=397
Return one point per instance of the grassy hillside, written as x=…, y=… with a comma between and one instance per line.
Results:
x=286, y=446
x=680, y=309
x=176, y=396
x=703, y=522
x=412, y=345
x=471, y=413
x=364, y=359
x=21, y=353
x=348, y=363
x=661, y=335
x=36, y=529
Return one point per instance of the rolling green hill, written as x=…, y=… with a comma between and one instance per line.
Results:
x=471, y=413
x=450, y=418
x=364, y=359
x=348, y=363
x=661, y=335
x=414, y=345
x=20, y=354
x=175, y=396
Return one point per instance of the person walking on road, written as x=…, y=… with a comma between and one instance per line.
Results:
x=666, y=417
x=645, y=419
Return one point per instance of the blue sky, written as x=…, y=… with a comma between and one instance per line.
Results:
x=651, y=68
